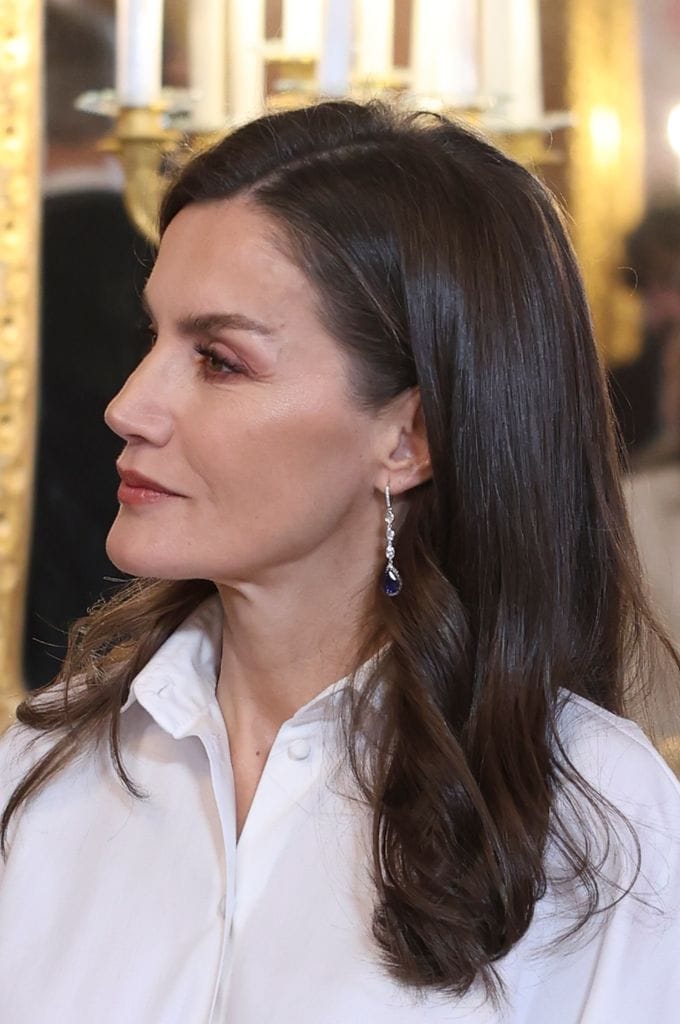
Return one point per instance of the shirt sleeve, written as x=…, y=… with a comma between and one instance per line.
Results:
x=624, y=965
x=20, y=749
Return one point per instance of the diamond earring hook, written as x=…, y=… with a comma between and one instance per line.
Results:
x=391, y=580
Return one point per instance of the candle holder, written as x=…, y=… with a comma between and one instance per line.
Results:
x=146, y=140
x=531, y=147
x=290, y=81
x=150, y=140
x=470, y=109
x=529, y=144
x=392, y=87
x=143, y=142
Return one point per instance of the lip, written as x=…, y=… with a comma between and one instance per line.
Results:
x=137, y=489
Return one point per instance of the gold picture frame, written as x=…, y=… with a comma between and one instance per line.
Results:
x=20, y=121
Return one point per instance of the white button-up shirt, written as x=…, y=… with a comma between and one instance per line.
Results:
x=115, y=910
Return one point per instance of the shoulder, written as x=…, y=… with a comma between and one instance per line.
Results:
x=20, y=750
x=626, y=816
x=616, y=758
x=652, y=494
x=21, y=747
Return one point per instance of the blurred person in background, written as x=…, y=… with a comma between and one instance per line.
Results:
x=91, y=272
x=648, y=405
x=644, y=391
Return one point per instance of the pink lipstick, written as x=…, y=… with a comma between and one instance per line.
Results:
x=136, y=489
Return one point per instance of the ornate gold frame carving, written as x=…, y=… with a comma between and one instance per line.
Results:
x=20, y=95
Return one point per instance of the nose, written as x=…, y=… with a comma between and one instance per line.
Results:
x=138, y=411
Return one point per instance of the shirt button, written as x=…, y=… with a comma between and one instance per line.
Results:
x=299, y=750
x=222, y=907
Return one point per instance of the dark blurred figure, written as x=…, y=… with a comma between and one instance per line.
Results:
x=643, y=391
x=92, y=273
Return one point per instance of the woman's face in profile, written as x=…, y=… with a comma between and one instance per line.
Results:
x=241, y=409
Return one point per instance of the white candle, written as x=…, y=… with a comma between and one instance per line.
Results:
x=246, y=60
x=375, y=38
x=444, y=50
x=512, y=59
x=302, y=27
x=208, y=62
x=336, y=50
x=139, y=41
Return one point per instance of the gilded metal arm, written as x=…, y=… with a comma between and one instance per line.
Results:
x=142, y=142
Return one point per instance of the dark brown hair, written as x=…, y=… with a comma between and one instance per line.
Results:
x=440, y=263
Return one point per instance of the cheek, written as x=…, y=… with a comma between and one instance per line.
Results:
x=305, y=446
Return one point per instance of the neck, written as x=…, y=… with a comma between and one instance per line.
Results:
x=285, y=640
x=282, y=646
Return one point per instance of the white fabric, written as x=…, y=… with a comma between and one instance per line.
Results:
x=653, y=499
x=118, y=910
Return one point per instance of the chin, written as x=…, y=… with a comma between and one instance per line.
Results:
x=151, y=551
x=137, y=557
x=151, y=560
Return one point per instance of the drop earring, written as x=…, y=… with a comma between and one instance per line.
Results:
x=391, y=580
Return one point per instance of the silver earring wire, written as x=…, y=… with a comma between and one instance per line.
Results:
x=391, y=580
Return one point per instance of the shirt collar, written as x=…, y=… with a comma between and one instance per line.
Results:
x=177, y=684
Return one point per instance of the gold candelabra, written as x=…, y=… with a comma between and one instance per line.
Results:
x=143, y=141
x=150, y=140
x=147, y=143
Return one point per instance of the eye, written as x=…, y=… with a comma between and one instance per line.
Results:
x=214, y=365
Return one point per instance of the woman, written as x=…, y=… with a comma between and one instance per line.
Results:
x=369, y=443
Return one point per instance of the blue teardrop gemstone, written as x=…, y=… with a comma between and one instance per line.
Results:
x=391, y=582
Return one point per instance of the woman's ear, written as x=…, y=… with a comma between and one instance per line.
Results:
x=405, y=455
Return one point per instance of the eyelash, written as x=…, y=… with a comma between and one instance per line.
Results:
x=212, y=365
x=209, y=357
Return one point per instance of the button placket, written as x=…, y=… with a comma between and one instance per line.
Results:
x=216, y=743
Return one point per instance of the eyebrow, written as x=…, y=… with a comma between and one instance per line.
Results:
x=205, y=323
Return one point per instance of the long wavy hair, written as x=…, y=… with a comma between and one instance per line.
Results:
x=438, y=263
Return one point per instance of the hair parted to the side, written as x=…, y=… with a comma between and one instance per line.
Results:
x=438, y=262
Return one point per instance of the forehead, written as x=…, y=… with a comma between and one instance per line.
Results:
x=227, y=251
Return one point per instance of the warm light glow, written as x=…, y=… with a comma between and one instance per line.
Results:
x=673, y=129
x=605, y=135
